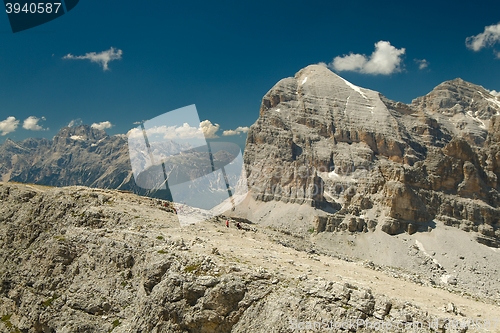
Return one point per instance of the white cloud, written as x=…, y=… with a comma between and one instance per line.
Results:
x=183, y=132
x=102, y=58
x=8, y=125
x=169, y=132
x=205, y=130
x=209, y=129
x=422, y=63
x=31, y=124
x=488, y=37
x=351, y=62
x=386, y=59
x=237, y=131
x=102, y=125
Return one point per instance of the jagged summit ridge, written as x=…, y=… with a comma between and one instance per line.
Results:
x=458, y=91
x=81, y=132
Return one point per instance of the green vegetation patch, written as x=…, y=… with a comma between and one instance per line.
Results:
x=115, y=324
x=6, y=320
x=51, y=300
x=192, y=267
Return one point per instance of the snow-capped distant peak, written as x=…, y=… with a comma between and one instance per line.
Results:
x=495, y=93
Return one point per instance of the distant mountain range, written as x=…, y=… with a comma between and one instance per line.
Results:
x=86, y=156
x=78, y=155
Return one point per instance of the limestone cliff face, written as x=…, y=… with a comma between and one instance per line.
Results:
x=323, y=141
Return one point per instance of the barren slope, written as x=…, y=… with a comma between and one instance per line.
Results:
x=85, y=260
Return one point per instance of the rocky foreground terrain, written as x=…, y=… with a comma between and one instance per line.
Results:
x=77, y=259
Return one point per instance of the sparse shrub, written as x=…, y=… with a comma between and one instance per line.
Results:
x=6, y=320
x=49, y=301
x=192, y=267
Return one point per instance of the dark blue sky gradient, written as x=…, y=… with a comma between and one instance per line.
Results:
x=224, y=56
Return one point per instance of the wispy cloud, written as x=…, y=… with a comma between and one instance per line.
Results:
x=489, y=37
x=237, y=131
x=31, y=124
x=8, y=125
x=385, y=60
x=422, y=63
x=102, y=58
x=102, y=125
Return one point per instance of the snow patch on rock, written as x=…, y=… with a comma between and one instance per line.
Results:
x=355, y=88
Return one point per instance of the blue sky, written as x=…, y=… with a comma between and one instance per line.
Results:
x=224, y=56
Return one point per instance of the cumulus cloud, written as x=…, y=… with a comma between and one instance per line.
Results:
x=170, y=132
x=488, y=37
x=385, y=60
x=8, y=125
x=205, y=130
x=31, y=124
x=102, y=58
x=422, y=63
x=237, y=131
x=102, y=125
x=495, y=93
x=351, y=62
x=209, y=129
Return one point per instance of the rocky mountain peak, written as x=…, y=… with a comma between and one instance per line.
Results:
x=82, y=133
x=460, y=97
x=323, y=141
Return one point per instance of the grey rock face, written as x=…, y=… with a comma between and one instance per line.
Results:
x=322, y=141
x=75, y=156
